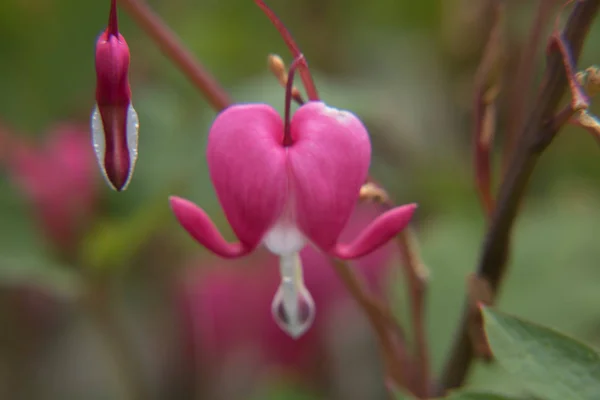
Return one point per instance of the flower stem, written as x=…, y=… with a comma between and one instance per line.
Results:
x=307, y=81
x=519, y=99
x=486, y=88
x=168, y=42
x=417, y=276
x=398, y=363
x=113, y=23
x=287, y=134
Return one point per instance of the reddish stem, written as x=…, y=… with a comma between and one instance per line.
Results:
x=307, y=80
x=389, y=334
x=579, y=99
x=416, y=274
x=113, y=25
x=287, y=134
x=486, y=88
x=168, y=42
x=519, y=99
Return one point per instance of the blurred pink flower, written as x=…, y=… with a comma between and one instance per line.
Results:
x=58, y=180
x=228, y=314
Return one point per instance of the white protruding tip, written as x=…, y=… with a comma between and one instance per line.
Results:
x=293, y=307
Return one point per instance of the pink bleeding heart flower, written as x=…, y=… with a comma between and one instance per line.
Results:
x=287, y=184
x=114, y=122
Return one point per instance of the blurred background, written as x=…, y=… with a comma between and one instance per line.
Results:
x=104, y=296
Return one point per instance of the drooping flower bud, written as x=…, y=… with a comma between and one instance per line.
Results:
x=114, y=121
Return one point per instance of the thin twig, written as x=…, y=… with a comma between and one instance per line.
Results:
x=523, y=78
x=535, y=138
x=397, y=362
x=168, y=42
x=417, y=276
x=486, y=89
x=307, y=80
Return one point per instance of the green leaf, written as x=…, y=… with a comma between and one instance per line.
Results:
x=549, y=364
x=538, y=274
x=457, y=395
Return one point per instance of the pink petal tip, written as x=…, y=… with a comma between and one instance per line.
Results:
x=378, y=233
x=199, y=225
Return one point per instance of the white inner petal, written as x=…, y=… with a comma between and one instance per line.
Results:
x=284, y=238
x=98, y=141
x=133, y=126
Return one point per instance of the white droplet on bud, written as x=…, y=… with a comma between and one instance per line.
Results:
x=293, y=307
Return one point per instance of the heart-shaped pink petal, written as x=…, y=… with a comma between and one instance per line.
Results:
x=329, y=161
x=247, y=165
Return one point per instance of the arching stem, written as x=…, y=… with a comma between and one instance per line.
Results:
x=177, y=53
x=307, y=81
x=287, y=134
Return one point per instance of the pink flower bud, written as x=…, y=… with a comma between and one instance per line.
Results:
x=114, y=121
